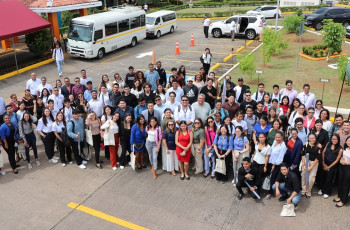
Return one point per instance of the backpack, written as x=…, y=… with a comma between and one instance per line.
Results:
x=279, y=97
x=179, y=108
x=67, y=140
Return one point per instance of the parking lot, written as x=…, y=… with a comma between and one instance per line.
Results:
x=52, y=197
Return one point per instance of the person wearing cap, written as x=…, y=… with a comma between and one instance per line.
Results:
x=190, y=90
x=95, y=104
x=87, y=92
x=240, y=89
x=130, y=77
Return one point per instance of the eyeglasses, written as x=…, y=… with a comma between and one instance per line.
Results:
x=77, y=81
x=184, y=100
x=158, y=99
x=170, y=124
x=247, y=95
x=210, y=122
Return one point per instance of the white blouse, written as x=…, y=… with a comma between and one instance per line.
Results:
x=259, y=156
x=111, y=125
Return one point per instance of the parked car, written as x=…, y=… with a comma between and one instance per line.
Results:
x=248, y=25
x=338, y=14
x=348, y=32
x=267, y=11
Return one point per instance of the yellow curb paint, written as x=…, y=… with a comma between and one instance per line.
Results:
x=228, y=57
x=113, y=58
x=189, y=74
x=7, y=51
x=305, y=12
x=341, y=5
x=347, y=39
x=320, y=58
x=217, y=65
x=106, y=217
x=237, y=51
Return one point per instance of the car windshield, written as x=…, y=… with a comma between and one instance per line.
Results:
x=80, y=33
x=150, y=21
x=320, y=11
x=257, y=9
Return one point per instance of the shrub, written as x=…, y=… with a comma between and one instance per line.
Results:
x=333, y=36
x=292, y=23
x=321, y=53
x=272, y=44
x=39, y=42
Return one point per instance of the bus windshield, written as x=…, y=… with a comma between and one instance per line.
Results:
x=150, y=21
x=80, y=33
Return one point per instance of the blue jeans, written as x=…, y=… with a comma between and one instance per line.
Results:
x=59, y=66
x=31, y=140
x=284, y=191
x=206, y=162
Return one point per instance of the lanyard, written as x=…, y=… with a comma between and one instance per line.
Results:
x=185, y=111
x=305, y=100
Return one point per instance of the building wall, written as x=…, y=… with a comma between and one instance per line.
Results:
x=299, y=2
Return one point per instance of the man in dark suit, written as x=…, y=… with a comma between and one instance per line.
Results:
x=66, y=90
x=240, y=89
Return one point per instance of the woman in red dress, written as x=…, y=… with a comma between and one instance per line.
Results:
x=183, y=141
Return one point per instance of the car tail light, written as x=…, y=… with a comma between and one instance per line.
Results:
x=261, y=24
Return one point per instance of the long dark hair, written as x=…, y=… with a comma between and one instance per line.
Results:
x=179, y=71
x=30, y=121
x=44, y=116
x=345, y=145
x=149, y=123
x=337, y=146
x=266, y=140
x=64, y=119
x=124, y=122
x=291, y=107
x=214, y=125
x=283, y=99
x=138, y=120
x=200, y=121
x=102, y=82
x=219, y=133
x=139, y=88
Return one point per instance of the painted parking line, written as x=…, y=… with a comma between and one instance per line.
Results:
x=106, y=217
x=190, y=74
x=182, y=60
x=194, y=51
x=206, y=44
x=113, y=58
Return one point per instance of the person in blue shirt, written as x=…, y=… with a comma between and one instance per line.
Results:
x=87, y=92
x=14, y=117
x=138, y=139
x=7, y=135
x=218, y=108
x=261, y=127
x=2, y=109
x=124, y=109
x=240, y=149
x=223, y=144
x=140, y=107
x=152, y=76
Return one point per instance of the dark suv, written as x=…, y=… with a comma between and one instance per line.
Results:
x=338, y=14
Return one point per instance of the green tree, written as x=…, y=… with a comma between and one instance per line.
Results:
x=67, y=16
x=39, y=42
x=342, y=61
x=333, y=36
x=292, y=23
x=272, y=44
x=246, y=63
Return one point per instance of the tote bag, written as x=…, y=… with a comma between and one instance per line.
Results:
x=1, y=160
x=132, y=158
x=267, y=183
x=109, y=137
x=220, y=166
x=88, y=134
x=288, y=210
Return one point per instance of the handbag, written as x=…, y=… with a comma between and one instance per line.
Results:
x=88, y=135
x=211, y=152
x=1, y=160
x=267, y=183
x=132, y=159
x=220, y=166
x=139, y=145
x=109, y=137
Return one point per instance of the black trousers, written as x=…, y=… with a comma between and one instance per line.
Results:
x=97, y=146
x=76, y=153
x=64, y=150
x=206, y=71
x=107, y=152
x=125, y=147
x=328, y=181
x=49, y=144
x=261, y=174
x=344, y=183
x=219, y=176
x=241, y=185
x=273, y=178
x=206, y=29
x=10, y=151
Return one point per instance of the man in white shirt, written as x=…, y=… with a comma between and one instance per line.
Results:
x=95, y=104
x=84, y=79
x=276, y=95
x=233, y=29
x=57, y=98
x=201, y=108
x=172, y=103
x=259, y=95
x=179, y=92
x=206, y=23
x=307, y=98
x=184, y=112
x=32, y=84
x=67, y=110
x=160, y=106
x=289, y=91
x=58, y=55
x=43, y=85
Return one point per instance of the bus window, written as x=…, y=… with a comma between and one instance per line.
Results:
x=134, y=22
x=157, y=21
x=123, y=25
x=111, y=28
x=143, y=20
x=98, y=35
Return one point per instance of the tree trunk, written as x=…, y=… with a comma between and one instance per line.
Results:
x=328, y=55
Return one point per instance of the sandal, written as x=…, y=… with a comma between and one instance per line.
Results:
x=182, y=177
x=205, y=175
x=212, y=176
x=336, y=200
x=144, y=166
x=339, y=206
x=173, y=173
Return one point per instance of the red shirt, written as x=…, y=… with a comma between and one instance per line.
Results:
x=290, y=144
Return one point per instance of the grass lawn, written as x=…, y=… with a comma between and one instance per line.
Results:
x=283, y=67
x=212, y=10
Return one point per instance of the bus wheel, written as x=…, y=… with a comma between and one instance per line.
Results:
x=100, y=53
x=158, y=34
x=133, y=42
x=172, y=29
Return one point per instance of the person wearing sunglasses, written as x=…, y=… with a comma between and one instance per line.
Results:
x=78, y=87
x=184, y=112
x=169, y=146
x=160, y=106
x=198, y=145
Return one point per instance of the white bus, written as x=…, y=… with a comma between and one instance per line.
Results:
x=94, y=35
x=160, y=22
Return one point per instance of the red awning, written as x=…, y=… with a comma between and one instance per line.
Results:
x=16, y=19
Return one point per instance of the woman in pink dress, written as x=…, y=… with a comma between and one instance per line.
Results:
x=183, y=141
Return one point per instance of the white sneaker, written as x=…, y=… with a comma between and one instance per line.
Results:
x=71, y=162
x=37, y=162
x=325, y=196
x=30, y=166
x=84, y=162
x=129, y=163
x=2, y=173
x=121, y=167
x=56, y=158
x=82, y=166
x=114, y=168
x=64, y=164
x=320, y=192
x=54, y=161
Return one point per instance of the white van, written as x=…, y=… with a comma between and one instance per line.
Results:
x=160, y=22
x=94, y=35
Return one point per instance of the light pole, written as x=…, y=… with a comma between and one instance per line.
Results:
x=105, y=8
x=277, y=14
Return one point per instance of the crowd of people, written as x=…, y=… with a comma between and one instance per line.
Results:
x=282, y=141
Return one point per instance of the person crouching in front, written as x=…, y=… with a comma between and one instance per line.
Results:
x=247, y=174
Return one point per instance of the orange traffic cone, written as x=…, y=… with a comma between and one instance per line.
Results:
x=261, y=36
x=177, y=51
x=153, y=57
x=192, y=40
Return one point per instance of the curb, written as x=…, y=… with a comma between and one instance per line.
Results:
x=217, y=65
x=7, y=51
x=320, y=58
x=237, y=51
x=13, y=73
